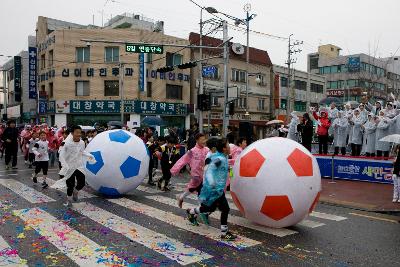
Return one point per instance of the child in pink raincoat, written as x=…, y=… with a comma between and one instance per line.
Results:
x=195, y=157
x=235, y=151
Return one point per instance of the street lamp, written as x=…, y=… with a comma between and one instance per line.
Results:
x=210, y=10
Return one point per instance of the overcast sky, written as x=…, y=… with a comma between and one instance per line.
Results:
x=354, y=25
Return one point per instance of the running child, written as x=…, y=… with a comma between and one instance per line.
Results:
x=169, y=157
x=31, y=156
x=41, y=152
x=72, y=155
x=212, y=194
x=195, y=157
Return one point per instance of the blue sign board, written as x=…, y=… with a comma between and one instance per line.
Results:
x=32, y=72
x=17, y=78
x=142, y=71
x=42, y=107
x=362, y=169
x=354, y=64
x=209, y=71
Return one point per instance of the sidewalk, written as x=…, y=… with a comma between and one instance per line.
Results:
x=362, y=195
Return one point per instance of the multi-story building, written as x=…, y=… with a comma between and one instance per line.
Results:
x=393, y=75
x=351, y=77
x=80, y=75
x=134, y=21
x=308, y=89
x=260, y=84
x=21, y=106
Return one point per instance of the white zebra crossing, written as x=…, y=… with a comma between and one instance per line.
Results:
x=169, y=247
x=231, y=219
x=180, y=222
x=82, y=193
x=80, y=249
x=315, y=214
x=26, y=192
x=9, y=256
x=327, y=216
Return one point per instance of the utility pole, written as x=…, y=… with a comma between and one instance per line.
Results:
x=289, y=62
x=121, y=89
x=201, y=80
x=226, y=58
x=5, y=93
x=249, y=17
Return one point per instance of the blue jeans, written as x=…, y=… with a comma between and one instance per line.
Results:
x=52, y=158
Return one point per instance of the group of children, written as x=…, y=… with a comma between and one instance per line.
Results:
x=71, y=160
x=209, y=162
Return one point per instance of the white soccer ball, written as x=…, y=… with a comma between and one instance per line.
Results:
x=276, y=183
x=122, y=162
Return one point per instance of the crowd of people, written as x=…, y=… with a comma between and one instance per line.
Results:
x=360, y=129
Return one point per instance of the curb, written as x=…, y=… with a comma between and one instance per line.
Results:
x=358, y=206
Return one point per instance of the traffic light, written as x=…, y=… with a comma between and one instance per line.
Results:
x=232, y=108
x=187, y=65
x=165, y=69
x=204, y=102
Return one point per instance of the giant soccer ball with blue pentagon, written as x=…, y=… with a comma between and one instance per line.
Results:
x=122, y=162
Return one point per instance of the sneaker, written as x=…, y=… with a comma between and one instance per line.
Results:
x=30, y=166
x=14, y=168
x=7, y=167
x=75, y=195
x=180, y=201
x=394, y=200
x=151, y=183
x=68, y=204
x=166, y=188
x=26, y=162
x=34, y=178
x=44, y=185
x=398, y=201
x=228, y=236
x=191, y=218
x=205, y=218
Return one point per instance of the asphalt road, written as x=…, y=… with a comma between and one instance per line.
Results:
x=145, y=228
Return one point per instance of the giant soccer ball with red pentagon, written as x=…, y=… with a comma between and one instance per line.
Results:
x=277, y=182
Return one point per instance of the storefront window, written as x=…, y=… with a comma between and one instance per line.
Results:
x=174, y=91
x=82, y=88
x=111, y=88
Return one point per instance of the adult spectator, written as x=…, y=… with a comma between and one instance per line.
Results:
x=333, y=112
x=191, y=142
x=340, y=125
x=382, y=130
x=10, y=138
x=292, y=133
x=305, y=129
x=322, y=130
x=369, y=136
x=357, y=136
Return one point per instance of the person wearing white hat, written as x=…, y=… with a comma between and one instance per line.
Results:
x=340, y=125
x=369, y=129
x=382, y=130
x=357, y=135
x=292, y=133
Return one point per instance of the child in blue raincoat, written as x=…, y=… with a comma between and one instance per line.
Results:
x=212, y=194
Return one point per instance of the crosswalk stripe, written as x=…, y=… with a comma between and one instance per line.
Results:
x=180, y=222
x=26, y=192
x=231, y=219
x=147, y=189
x=80, y=249
x=315, y=214
x=169, y=247
x=327, y=216
x=310, y=224
x=82, y=193
x=9, y=256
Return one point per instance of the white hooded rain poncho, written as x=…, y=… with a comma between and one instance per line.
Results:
x=369, y=135
x=72, y=158
x=357, y=122
x=340, y=125
x=382, y=130
x=292, y=134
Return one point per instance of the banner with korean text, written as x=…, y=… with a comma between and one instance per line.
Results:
x=360, y=169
